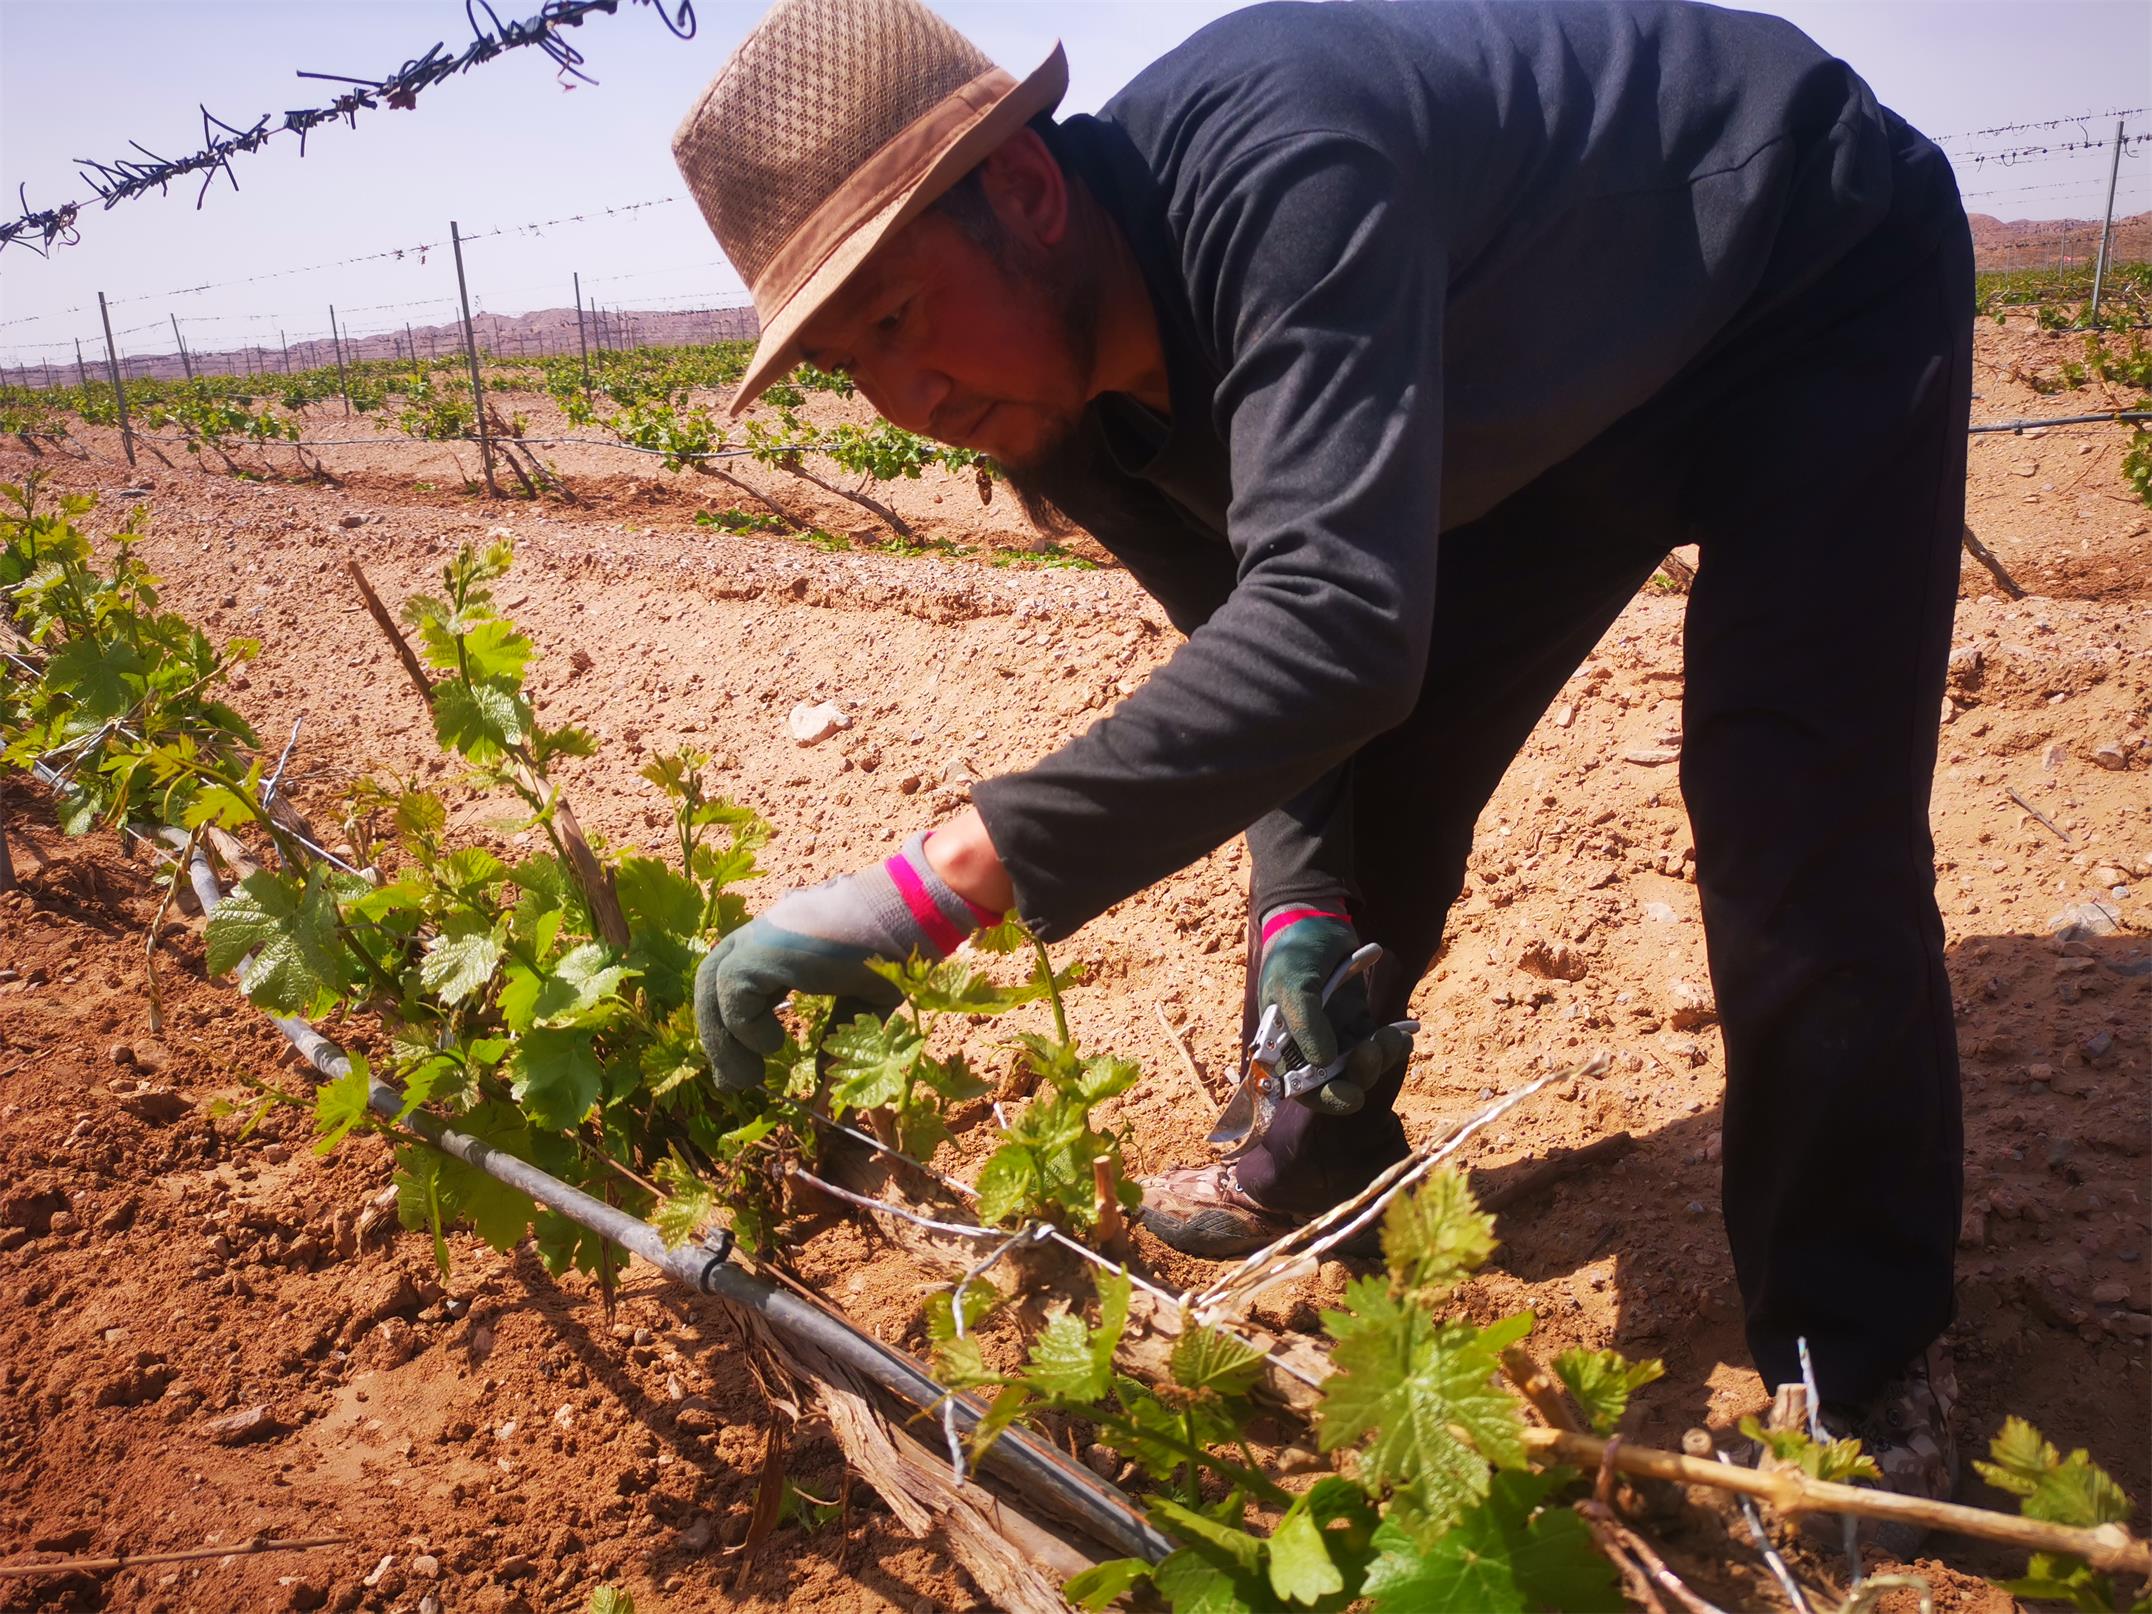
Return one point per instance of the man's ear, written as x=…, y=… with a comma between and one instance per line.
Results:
x=1029, y=193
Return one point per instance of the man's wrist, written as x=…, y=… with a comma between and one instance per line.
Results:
x=963, y=854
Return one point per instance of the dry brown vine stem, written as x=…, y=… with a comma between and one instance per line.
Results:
x=1533, y=1384
x=1106, y=1186
x=127, y=1560
x=2058, y=831
x=1986, y=556
x=2109, y=1547
x=1188, y=1060
x=590, y=874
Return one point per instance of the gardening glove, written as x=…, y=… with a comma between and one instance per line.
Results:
x=1301, y=949
x=819, y=940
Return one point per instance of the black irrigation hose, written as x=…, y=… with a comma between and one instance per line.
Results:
x=2115, y=415
x=1034, y=1468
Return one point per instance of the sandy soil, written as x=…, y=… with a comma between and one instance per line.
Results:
x=194, y=1275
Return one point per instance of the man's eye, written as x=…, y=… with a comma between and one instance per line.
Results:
x=888, y=324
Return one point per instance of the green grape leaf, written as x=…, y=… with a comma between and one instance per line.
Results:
x=1205, y=1359
x=582, y=977
x=2061, y=1490
x=1096, y=1588
x=1422, y=1395
x=419, y=814
x=1435, y=1235
x=403, y=895
x=961, y=1364
x=1203, y=1580
x=1105, y=1076
x=952, y=1078
x=1008, y=1405
x=495, y=650
x=470, y=872
x=1301, y=1570
x=483, y=719
x=497, y=1213
x=1839, y=1461
x=674, y=1056
x=1498, y=1559
x=871, y=1062
x=950, y=986
x=1008, y=936
x=220, y=805
x=655, y=897
x=418, y=1197
x=689, y=1202
x=298, y=954
x=104, y=678
x=921, y=1131
x=1603, y=1381
x=611, y=1600
x=340, y=1105
x=556, y=1076
x=981, y=1300
x=1071, y=1362
x=1242, y=1550
x=455, y=967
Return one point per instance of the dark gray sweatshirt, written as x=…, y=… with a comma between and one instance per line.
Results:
x=1405, y=257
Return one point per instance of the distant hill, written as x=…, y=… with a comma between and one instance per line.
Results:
x=2033, y=243
x=506, y=336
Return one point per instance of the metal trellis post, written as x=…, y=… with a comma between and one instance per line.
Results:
x=2107, y=224
x=119, y=392
x=470, y=336
x=82, y=371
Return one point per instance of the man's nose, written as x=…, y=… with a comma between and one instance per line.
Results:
x=908, y=399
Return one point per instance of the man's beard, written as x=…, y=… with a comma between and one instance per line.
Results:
x=1072, y=304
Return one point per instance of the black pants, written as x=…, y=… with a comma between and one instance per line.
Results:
x=1818, y=459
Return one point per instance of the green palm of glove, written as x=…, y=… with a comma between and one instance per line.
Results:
x=1302, y=949
x=820, y=940
x=743, y=979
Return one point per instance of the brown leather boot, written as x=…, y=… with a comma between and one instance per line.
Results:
x=1202, y=1210
x=1906, y=1428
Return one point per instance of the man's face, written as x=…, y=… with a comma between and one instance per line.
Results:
x=983, y=349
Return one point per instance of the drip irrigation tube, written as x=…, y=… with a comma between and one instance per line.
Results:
x=2119, y=416
x=1031, y=1466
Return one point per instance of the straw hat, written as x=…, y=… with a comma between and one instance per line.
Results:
x=835, y=123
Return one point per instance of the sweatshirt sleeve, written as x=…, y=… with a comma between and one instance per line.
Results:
x=1317, y=277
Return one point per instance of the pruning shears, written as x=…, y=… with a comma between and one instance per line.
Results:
x=1276, y=1072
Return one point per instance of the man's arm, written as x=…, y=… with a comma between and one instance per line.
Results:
x=1321, y=284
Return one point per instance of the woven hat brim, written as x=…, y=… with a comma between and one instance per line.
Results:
x=776, y=351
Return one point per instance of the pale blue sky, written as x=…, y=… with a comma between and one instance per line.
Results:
x=504, y=145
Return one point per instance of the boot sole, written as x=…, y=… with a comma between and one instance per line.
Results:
x=1210, y=1234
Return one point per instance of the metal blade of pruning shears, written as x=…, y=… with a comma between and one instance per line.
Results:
x=1263, y=1084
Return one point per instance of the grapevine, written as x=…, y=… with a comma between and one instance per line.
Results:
x=542, y=1002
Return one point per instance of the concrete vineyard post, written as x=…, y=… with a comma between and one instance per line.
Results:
x=186, y=363
x=582, y=341
x=2107, y=223
x=343, y=383
x=119, y=391
x=82, y=371
x=470, y=339
x=286, y=346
